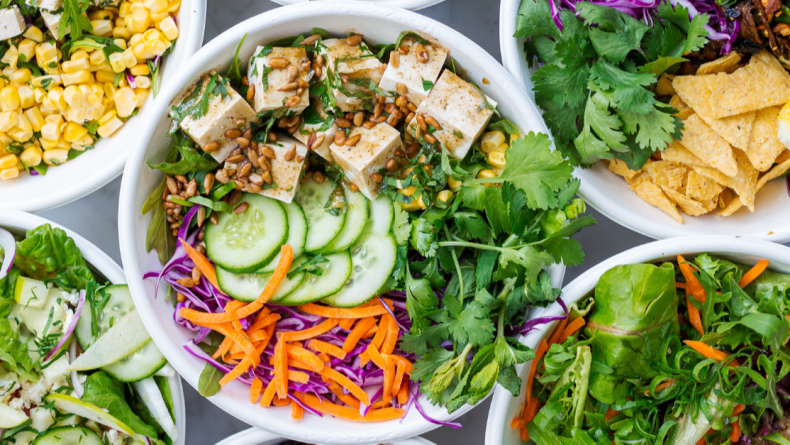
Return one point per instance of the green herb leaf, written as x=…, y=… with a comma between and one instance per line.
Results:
x=208, y=383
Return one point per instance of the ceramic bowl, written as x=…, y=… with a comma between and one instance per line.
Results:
x=412, y=5
x=255, y=436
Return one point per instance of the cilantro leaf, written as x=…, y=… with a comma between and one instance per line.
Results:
x=534, y=19
x=560, y=86
x=629, y=94
x=423, y=237
x=654, y=130
x=401, y=228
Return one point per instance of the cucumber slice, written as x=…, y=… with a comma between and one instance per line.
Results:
x=119, y=304
x=30, y=292
x=126, y=336
x=142, y=364
x=10, y=417
x=68, y=404
x=357, y=212
x=68, y=435
x=381, y=215
x=373, y=259
x=297, y=233
x=247, y=242
x=315, y=287
x=247, y=287
x=322, y=226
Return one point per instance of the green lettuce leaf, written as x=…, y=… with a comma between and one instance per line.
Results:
x=108, y=393
x=47, y=253
x=13, y=353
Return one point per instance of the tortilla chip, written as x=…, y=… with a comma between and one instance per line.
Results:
x=701, y=187
x=676, y=152
x=764, y=146
x=726, y=64
x=731, y=208
x=684, y=110
x=725, y=197
x=664, y=85
x=744, y=183
x=696, y=92
x=686, y=204
x=653, y=195
x=619, y=167
x=784, y=156
x=667, y=174
x=761, y=84
x=774, y=173
x=703, y=142
x=634, y=182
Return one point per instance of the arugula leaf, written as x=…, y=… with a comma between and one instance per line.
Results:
x=72, y=21
x=159, y=236
x=190, y=159
x=108, y=393
x=234, y=70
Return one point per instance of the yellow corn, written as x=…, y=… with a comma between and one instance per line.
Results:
x=76, y=114
x=121, y=43
x=140, y=70
x=19, y=134
x=74, y=132
x=117, y=63
x=141, y=94
x=97, y=58
x=11, y=56
x=80, y=54
x=102, y=14
x=46, y=51
x=159, y=16
x=85, y=140
x=21, y=75
x=142, y=82
x=444, y=195
x=109, y=127
x=129, y=59
x=408, y=191
x=455, y=185
x=491, y=141
x=48, y=144
x=122, y=32
x=56, y=156
x=9, y=173
x=50, y=131
x=31, y=157
x=39, y=94
x=173, y=5
x=486, y=173
x=81, y=76
x=9, y=98
x=54, y=119
x=27, y=48
x=72, y=66
x=34, y=33
x=169, y=28
x=7, y=161
x=156, y=6
x=26, y=97
x=102, y=28
x=104, y=76
x=496, y=158
x=107, y=117
x=135, y=39
x=23, y=124
x=141, y=20
x=35, y=118
x=49, y=81
x=73, y=95
x=124, y=9
x=125, y=101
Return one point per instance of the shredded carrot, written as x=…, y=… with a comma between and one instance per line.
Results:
x=532, y=410
x=571, y=329
x=356, y=334
x=518, y=422
x=403, y=394
x=266, y=321
x=202, y=263
x=371, y=332
x=376, y=357
x=401, y=369
x=231, y=307
x=329, y=408
x=281, y=369
x=389, y=378
x=324, y=357
x=357, y=312
x=738, y=409
x=694, y=317
x=542, y=348
x=298, y=376
x=347, y=323
x=306, y=357
x=348, y=399
x=735, y=435
x=224, y=347
x=408, y=365
x=236, y=372
x=296, y=410
x=662, y=385
x=268, y=394
x=680, y=285
x=378, y=339
x=240, y=339
x=391, y=339
x=380, y=404
x=307, y=334
x=753, y=273
x=328, y=348
x=286, y=258
x=524, y=434
x=259, y=336
x=255, y=390
x=277, y=401
x=261, y=315
x=693, y=285
x=709, y=352
x=352, y=387
x=702, y=442
x=558, y=331
x=610, y=413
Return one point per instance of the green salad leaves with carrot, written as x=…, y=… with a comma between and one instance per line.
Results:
x=685, y=352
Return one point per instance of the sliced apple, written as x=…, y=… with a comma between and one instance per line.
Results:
x=73, y=405
x=125, y=337
x=10, y=417
x=30, y=292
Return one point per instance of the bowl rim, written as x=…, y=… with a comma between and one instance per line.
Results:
x=257, y=436
x=605, y=202
x=412, y=5
x=189, y=41
x=23, y=221
x=206, y=57
x=750, y=248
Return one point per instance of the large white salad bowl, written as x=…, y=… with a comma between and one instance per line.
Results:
x=94, y=169
x=746, y=251
x=379, y=24
x=256, y=436
x=412, y=5
x=18, y=223
x=610, y=195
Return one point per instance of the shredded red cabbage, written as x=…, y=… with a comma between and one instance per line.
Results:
x=67, y=334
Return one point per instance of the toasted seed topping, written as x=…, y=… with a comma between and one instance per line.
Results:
x=352, y=141
x=279, y=63
x=354, y=40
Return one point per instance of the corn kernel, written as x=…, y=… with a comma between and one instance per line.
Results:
x=109, y=91
x=20, y=135
x=56, y=156
x=105, y=76
x=76, y=114
x=55, y=119
x=444, y=195
x=110, y=127
x=90, y=114
x=72, y=66
x=125, y=101
x=117, y=63
x=102, y=28
x=73, y=95
x=141, y=95
x=34, y=33
x=141, y=20
x=173, y=5
x=169, y=28
x=454, y=185
x=9, y=173
x=156, y=6
x=35, y=118
x=140, y=70
x=102, y=14
x=62, y=143
x=408, y=191
x=142, y=82
x=80, y=54
x=129, y=59
x=31, y=157
x=485, y=174
x=48, y=144
x=74, y=132
x=50, y=131
x=27, y=48
x=26, y=99
x=5, y=141
x=7, y=161
x=11, y=56
x=23, y=124
x=159, y=16
x=124, y=9
x=97, y=58
x=81, y=76
x=135, y=39
x=22, y=75
x=39, y=94
x=137, y=4
x=46, y=51
x=491, y=141
x=107, y=117
x=121, y=32
x=120, y=43
x=9, y=98
x=159, y=49
x=2, y=83
x=497, y=158
x=46, y=81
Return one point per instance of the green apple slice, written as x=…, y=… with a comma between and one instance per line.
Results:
x=125, y=337
x=30, y=292
x=10, y=417
x=89, y=411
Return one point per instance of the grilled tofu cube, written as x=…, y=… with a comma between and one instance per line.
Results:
x=461, y=111
x=11, y=23
x=52, y=21
x=286, y=168
x=314, y=118
x=49, y=5
x=225, y=112
x=417, y=77
x=349, y=66
x=367, y=156
x=270, y=95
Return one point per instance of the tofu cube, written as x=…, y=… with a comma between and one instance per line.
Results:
x=222, y=115
x=49, y=5
x=412, y=73
x=52, y=21
x=459, y=109
x=11, y=23
x=349, y=64
x=285, y=174
x=268, y=97
x=367, y=156
x=314, y=118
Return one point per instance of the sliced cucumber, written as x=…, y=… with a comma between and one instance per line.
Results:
x=332, y=279
x=373, y=259
x=381, y=215
x=68, y=435
x=357, y=212
x=247, y=242
x=119, y=304
x=142, y=364
x=322, y=226
x=247, y=287
x=297, y=233
x=126, y=336
x=30, y=292
x=69, y=404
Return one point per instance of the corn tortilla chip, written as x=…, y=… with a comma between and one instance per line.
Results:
x=704, y=143
x=684, y=110
x=667, y=174
x=744, y=183
x=761, y=84
x=653, y=195
x=784, y=156
x=775, y=172
x=696, y=92
x=701, y=187
x=676, y=152
x=634, y=182
x=731, y=208
x=726, y=64
x=764, y=146
x=618, y=167
x=664, y=85
x=686, y=204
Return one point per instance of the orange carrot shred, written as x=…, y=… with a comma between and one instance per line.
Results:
x=610, y=413
x=694, y=317
x=344, y=381
x=709, y=352
x=376, y=357
x=403, y=394
x=558, y=331
x=236, y=372
x=309, y=333
x=408, y=365
x=306, y=357
x=255, y=390
x=356, y=334
x=348, y=399
x=224, y=347
x=518, y=422
x=298, y=376
x=347, y=323
x=281, y=369
x=391, y=339
x=202, y=263
x=735, y=435
x=328, y=348
x=286, y=258
x=532, y=410
x=389, y=378
x=266, y=321
x=401, y=369
x=277, y=401
x=693, y=285
x=296, y=410
x=571, y=329
x=357, y=312
x=378, y=339
x=268, y=394
x=738, y=409
x=661, y=386
x=542, y=348
x=680, y=285
x=329, y=408
x=753, y=273
x=524, y=434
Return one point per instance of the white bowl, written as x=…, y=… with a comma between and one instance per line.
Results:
x=377, y=23
x=610, y=195
x=94, y=169
x=255, y=436
x=412, y=5
x=748, y=251
x=18, y=222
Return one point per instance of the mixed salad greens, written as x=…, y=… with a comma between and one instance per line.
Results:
x=76, y=364
x=686, y=352
x=401, y=256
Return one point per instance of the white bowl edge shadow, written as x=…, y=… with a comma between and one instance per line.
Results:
x=610, y=195
x=504, y=406
x=412, y=5
x=93, y=170
x=380, y=23
x=19, y=222
x=257, y=436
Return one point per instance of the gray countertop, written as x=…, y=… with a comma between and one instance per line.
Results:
x=95, y=216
